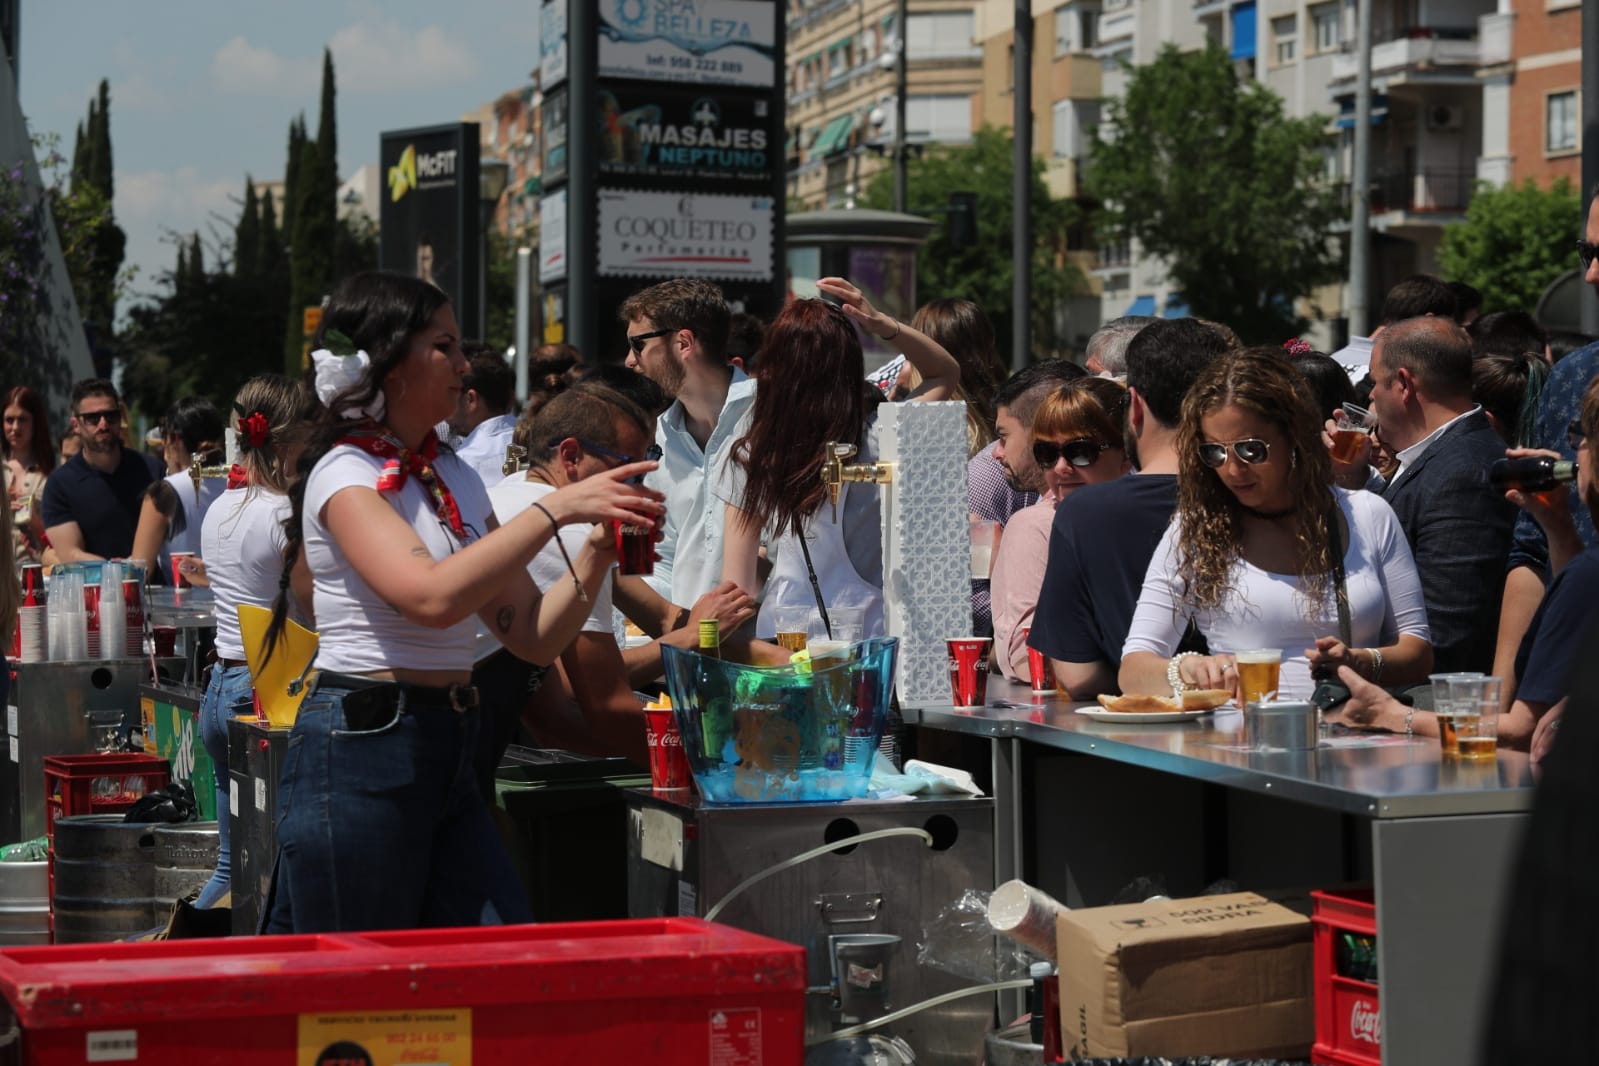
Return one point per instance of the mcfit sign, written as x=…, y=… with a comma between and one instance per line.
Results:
x=428, y=218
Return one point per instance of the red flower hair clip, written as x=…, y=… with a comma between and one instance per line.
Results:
x=1297, y=346
x=255, y=428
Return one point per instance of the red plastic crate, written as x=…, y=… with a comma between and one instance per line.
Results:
x=1348, y=1025
x=70, y=783
x=662, y=990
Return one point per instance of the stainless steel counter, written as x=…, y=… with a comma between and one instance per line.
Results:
x=1374, y=776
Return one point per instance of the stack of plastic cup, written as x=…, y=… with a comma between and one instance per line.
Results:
x=67, y=620
x=113, y=612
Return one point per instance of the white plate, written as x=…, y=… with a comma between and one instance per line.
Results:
x=1102, y=714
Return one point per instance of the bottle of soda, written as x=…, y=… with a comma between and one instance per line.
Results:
x=1538, y=473
x=716, y=706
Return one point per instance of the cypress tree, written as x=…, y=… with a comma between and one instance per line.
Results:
x=247, y=235
x=315, y=233
x=180, y=276
x=196, y=263
x=100, y=173
x=80, y=158
x=291, y=174
x=269, y=250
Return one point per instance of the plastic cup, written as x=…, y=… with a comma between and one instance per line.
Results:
x=1350, y=429
x=982, y=530
x=1475, y=701
x=1258, y=673
x=968, y=670
x=669, y=767
x=1038, y=669
x=1026, y=915
x=849, y=623
x=1443, y=702
x=635, y=548
x=793, y=627
x=178, y=559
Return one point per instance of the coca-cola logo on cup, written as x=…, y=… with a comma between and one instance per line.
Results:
x=672, y=739
x=1365, y=1023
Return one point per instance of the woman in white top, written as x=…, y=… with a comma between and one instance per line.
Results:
x=380, y=823
x=812, y=391
x=174, y=509
x=1249, y=556
x=242, y=540
x=1077, y=440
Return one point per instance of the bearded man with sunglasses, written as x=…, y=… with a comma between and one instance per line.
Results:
x=91, y=502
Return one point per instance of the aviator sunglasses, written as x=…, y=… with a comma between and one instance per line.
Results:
x=1083, y=451
x=1250, y=451
x=1587, y=251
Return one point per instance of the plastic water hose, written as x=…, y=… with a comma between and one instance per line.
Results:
x=806, y=856
x=905, y=1012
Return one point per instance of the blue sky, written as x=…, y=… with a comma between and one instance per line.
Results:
x=202, y=91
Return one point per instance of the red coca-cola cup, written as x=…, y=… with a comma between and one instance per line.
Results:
x=1038, y=671
x=968, y=670
x=91, y=619
x=668, y=762
x=180, y=560
x=166, y=640
x=133, y=605
x=635, y=548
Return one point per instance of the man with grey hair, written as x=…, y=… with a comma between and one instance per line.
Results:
x=1107, y=348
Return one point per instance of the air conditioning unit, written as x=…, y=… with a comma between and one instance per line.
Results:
x=1445, y=117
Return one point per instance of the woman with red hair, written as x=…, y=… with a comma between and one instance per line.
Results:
x=30, y=457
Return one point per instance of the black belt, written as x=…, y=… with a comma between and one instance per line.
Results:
x=456, y=696
x=229, y=664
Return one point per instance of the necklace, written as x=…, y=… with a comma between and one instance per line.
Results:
x=1270, y=515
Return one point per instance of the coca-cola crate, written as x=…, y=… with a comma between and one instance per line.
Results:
x=103, y=783
x=1348, y=1022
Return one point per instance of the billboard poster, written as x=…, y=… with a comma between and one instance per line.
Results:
x=428, y=218
x=681, y=133
x=555, y=124
x=687, y=235
x=703, y=42
x=552, y=236
x=552, y=44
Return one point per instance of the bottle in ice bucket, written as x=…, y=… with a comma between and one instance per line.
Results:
x=716, y=706
x=1538, y=473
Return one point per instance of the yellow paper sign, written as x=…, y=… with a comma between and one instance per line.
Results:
x=272, y=676
x=387, y=1038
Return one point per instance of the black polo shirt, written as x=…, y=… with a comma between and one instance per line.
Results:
x=105, y=506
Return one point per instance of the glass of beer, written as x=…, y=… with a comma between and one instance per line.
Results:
x=1476, y=719
x=793, y=627
x=1258, y=670
x=1443, y=702
x=1352, y=426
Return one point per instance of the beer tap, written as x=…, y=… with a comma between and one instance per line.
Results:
x=835, y=472
x=515, y=459
x=198, y=470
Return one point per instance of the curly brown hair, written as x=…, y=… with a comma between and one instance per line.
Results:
x=1210, y=535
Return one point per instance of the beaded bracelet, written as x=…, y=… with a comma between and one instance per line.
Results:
x=555, y=528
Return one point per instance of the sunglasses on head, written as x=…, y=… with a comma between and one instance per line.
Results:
x=651, y=454
x=1249, y=451
x=1587, y=251
x=636, y=341
x=1083, y=451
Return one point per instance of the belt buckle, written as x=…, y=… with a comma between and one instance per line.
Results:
x=463, y=698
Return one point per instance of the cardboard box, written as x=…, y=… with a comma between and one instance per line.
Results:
x=1215, y=975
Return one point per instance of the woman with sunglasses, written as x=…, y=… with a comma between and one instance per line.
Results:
x=1263, y=548
x=813, y=390
x=380, y=821
x=1077, y=440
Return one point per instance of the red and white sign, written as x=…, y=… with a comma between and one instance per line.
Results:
x=684, y=235
x=1365, y=1023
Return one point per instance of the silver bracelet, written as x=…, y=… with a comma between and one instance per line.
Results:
x=1376, y=665
x=1410, y=721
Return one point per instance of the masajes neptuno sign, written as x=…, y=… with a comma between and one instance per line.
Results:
x=684, y=133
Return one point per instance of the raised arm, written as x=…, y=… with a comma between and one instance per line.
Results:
x=939, y=370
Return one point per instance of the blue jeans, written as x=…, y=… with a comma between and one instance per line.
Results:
x=227, y=696
x=385, y=828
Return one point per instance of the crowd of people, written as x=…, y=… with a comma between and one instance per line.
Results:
x=1167, y=504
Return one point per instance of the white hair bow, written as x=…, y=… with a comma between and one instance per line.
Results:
x=338, y=373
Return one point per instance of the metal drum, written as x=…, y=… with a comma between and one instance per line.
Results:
x=185, y=856
x=104, y=877
x=24, y=903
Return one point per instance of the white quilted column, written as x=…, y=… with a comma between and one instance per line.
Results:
x=926, y=543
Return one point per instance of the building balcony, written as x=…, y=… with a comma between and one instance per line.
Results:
x=1060, y=177
x=1115, y=26
x=1495, y=170
x=1497, y=34
x=1435, y=195
x=1211, y=8
x=1432, y=55
x=1114, y=258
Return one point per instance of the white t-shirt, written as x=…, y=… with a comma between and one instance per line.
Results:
x=484, y=448
x=1264, y=610
x=512, y=496
x=242, y=544
x=359, y=632
x=193, y=507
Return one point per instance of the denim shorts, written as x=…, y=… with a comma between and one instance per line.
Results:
x=385, y=828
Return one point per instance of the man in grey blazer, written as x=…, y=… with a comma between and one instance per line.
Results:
x=1458, y=526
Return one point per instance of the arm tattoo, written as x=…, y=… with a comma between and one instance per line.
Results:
x=421, y=552
x=504, y=617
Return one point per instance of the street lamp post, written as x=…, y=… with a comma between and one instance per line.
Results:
x=492, y=177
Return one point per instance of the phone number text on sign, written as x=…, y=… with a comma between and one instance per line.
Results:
x=666, y=234
x=707, y=42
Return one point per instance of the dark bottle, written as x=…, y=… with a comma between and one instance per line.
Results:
x=1536, y=474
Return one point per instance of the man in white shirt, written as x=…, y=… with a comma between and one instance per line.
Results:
x=484, y=417
x=677, y=336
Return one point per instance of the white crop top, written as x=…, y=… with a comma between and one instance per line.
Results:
x=359, y=632
x=242, y=543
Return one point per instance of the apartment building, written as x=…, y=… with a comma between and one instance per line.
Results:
x=841, y=89
x=1532, y=72
x=509, y=128
x=1066, y=88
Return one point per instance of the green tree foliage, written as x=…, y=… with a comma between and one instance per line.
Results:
x=247, y=234
x=291, y=172
x=314, y=240
x=1202, y=167
x=983, y=272
x=1516, y=240
x=96, y=279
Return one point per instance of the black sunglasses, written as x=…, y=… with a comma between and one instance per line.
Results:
x=636, y=341
x=1250, y=451
x=651, y=454
x=1574, y=435
x=1587, y=252
x=1083, y=451
x=94, y=418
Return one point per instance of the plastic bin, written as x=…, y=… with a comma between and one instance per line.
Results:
x=99, y=784
x=1348, y=1024
x=665, y=990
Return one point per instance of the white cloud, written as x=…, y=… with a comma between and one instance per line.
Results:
x=241, y=67
x=153, y=204
x=382, y=56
